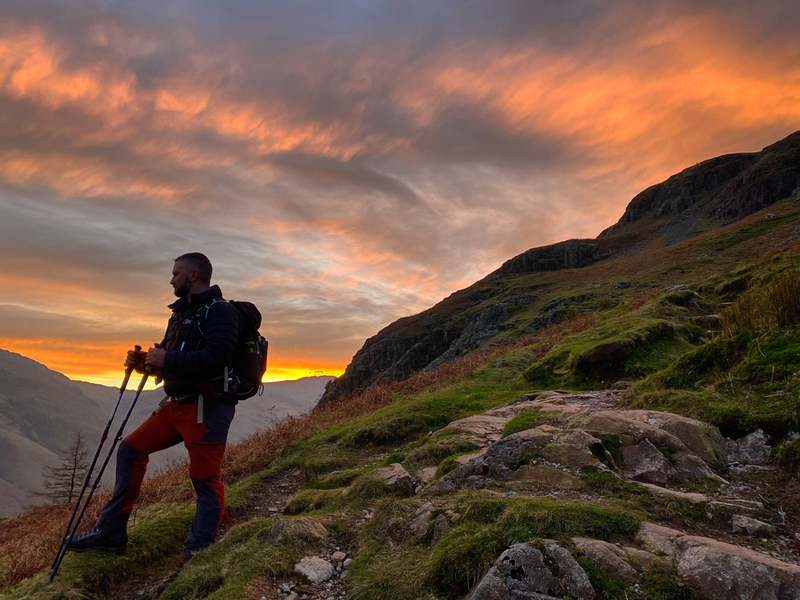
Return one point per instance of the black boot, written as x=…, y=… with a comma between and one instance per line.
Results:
x=97, y=539
x=168, y=581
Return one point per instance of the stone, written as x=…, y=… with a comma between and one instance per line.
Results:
x=609, y=557
x=425, y=475
x=691, y=466
x=721, y=570
x=751, y=449
x=292, y=596
x=661, y=491
x=751, y=526
x=645, y=463
x=543, y=477
x=573, y=578
x=303, y=526
x=519, y=573
x=572, y=450
x=396, y=476
x=465, y=458
x=346, y=564
x=315, y=569
x=440, y=529
x=338, y=556
x=422, y=517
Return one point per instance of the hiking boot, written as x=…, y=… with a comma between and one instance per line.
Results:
x=168, y=581
x=97, y=539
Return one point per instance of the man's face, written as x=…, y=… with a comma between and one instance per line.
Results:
x=181, y=279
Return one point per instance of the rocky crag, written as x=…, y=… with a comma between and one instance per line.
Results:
x=700, y=199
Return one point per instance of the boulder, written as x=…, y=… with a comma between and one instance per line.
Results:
x=315, y=569
x=700, y=438
x=691, y=466
x=440, y=529
x=425, y=475
x=572, y=450
x=751, y=526
x=573, y=578
x=396, y=476
x=521, y=573
x=721, y=570
x=751, y=449
x=610, y=558
x=645, y=463
x=421, y=520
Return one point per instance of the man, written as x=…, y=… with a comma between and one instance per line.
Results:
x=193, y=360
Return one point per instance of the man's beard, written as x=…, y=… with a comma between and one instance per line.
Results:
x=182, y=291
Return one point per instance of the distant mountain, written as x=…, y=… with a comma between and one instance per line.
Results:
x=40, y=410
x=698, y=200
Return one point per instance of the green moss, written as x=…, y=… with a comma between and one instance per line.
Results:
x=224, y=569
x=428, y=412
x=527, y=419
x=611, y=485
x=309, y=500
x=662, y=583
x=605, y=586
x=433, y=452
x=789, y=454
x=620, y=346
x=464, y=554
x=601, y=452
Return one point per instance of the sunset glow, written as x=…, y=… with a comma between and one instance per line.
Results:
x=343, y=164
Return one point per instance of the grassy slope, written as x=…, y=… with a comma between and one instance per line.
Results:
x=737, y=388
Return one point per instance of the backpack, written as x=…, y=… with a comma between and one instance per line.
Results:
x=250, y=358
x=243, y=378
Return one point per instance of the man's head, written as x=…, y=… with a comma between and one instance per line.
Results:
x=191, y=274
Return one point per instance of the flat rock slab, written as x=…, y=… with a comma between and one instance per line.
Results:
x=314, y=568
x=395, y=476
x=721, y=570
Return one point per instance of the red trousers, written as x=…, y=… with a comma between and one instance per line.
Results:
x=167, y=426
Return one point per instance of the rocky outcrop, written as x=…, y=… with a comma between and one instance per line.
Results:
x=712, y=193
x=572, y=254
x=397, y=478
x=720, y=190
x=522, y=573
x=721, y=570
x=581, y=433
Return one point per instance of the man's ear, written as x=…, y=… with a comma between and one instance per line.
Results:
x=193, y=276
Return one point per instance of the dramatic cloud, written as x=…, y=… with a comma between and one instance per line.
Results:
x=343, y=163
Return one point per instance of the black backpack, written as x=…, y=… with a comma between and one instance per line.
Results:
x=250, y=359
x=243, y=379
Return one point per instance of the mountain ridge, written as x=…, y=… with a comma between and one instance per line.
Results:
x=701, y=198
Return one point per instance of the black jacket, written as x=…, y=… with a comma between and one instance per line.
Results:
x=200, y=342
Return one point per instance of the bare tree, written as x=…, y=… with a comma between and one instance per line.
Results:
x=63, y=482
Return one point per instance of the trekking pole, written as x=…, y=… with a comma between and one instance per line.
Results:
x=70, y=534
x=88, y=476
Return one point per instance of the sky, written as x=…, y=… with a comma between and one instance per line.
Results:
x=343, y=164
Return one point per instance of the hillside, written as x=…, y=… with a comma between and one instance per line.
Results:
x=40, y=410
x=598, y=419
x=700, y=199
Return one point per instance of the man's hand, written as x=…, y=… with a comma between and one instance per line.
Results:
x=155, y=358
x=135, y=360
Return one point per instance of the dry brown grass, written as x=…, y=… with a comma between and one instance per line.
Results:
x=32, y=539
x=29, y=542
x=766, y=311
x=640, y=300
x=581, y=323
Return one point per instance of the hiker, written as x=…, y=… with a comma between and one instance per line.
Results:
x=193, y=360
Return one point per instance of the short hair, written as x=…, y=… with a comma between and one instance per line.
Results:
x=200, y=263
